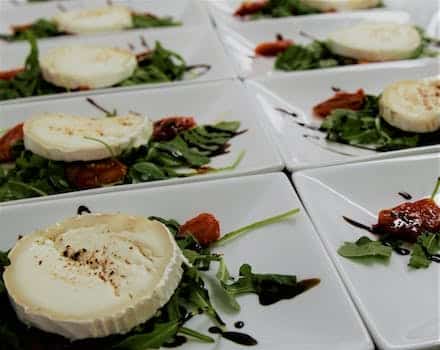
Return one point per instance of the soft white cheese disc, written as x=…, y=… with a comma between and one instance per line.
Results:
x=412, y=105
x=103, y=19
x=87, y=67
x=93, y=275
x=376, y=41
x=70, y=138
x=341, y=5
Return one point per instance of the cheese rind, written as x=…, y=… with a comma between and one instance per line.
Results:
x=87, y=67
x=341, y=5
x=412, y=105
x=70, y=138
x=93, y=275
x=102, y=19
x=376, y=41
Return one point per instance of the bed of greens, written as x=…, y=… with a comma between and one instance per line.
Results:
x=191, y=298
x=183, y=152
x=411, y=229
x=317, y=55
x=258, y=9
x=46, y=28
x=365, y=128
x=156, y=65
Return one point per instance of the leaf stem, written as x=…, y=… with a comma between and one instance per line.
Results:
x=29, y=187
x=233, y=166
x=436, y=189
x=234, y=234
x=194, y=334
x=112, y=153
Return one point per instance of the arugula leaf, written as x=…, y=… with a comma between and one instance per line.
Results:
x=196, y=335
x=284, y=8
x=161, y=65
x=365, y=247
x=367, y=127
x=270, y=288
x=195, y=294
x=312, y=56
x=419, y=258
x=148, y=20
x=317, y=54
x=427, y=245
x=42, y=28
x=224, y=278
x=161, y=333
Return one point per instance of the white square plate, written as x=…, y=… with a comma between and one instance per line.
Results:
x=322, y=318
x=223, y=11
x=208, y=103
x=298, y=93
x=399, y=305
x=241, y=39
x=189, y=12
x=197, y=45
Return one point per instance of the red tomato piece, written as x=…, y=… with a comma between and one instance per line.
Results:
x=354, y=101
x=204, y=227
x=8, y=140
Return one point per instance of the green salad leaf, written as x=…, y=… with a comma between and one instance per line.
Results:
x=367, y=127
x=44, y=28
x=159, y=65
x=365, y=247
x=270, y=288
x=148, y=20
x=427, y=245
x=284, y=8
x=188, y=154
x=160, y=334
x=317, y=55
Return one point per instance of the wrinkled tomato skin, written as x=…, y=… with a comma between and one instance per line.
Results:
x=354, y=101
x=8, y=140
x=95, y=174
x=269, y=49
x=204, y=227
x=409, y=220
x=250, y=7
x=167, y=128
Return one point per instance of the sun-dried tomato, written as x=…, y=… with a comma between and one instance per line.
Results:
x=167, y=128
x=250, y=7
x=273, y=48
x=96, y=173
x=409, y=220
x=354, y=101
x=204, y=227
x=8, y=140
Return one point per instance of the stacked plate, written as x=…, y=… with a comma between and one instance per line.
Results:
x=214, y=174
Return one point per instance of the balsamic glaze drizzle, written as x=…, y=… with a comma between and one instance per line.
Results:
x=358, y=224
x=396, y=249
x=405, y=195
x=83, y=209
x=239, y=324
x=236, y=337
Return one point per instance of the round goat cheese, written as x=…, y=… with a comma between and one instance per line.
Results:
x=93, y=275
